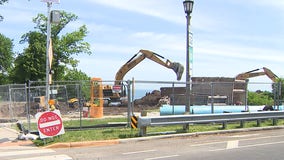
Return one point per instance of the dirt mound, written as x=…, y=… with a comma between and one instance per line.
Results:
x=150, y=99
x=11, y=110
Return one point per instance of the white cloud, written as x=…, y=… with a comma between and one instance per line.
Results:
x=162, y=9
x=223, y=44
x=264, y=3
x=240, y=52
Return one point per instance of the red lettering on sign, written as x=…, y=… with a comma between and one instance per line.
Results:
x=50, y=124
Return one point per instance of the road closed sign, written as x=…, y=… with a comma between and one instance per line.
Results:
x=49, y=124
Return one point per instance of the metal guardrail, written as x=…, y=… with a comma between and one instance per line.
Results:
x=144, y=122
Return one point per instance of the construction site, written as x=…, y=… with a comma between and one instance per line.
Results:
x=97, y=98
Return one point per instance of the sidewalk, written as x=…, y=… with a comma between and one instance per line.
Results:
x=9, y=136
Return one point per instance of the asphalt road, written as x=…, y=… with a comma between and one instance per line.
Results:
x=260, y=145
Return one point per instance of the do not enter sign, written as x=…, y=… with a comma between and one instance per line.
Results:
x=49, y=124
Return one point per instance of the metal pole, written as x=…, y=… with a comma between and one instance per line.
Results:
x=173, y=104
x=187, y=98
x=129, y=104
x=246, y=96
x=48, y=35
x=212, y=97
x=28, y=97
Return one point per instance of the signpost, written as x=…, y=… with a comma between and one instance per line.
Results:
x=48, y=49
x=49, y=124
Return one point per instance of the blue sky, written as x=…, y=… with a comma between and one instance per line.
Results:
x=229, y=36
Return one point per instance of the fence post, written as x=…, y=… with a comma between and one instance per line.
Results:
x=224, y=125
x=129, y=103
x=242, y=124
x=274, y=122
x=212, y=99
x=143, y=130
x=28, y=98
x=258, y=122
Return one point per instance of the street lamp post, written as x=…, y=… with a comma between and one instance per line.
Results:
x=188, y=6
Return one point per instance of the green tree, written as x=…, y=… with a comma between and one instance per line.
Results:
x=280, y=88
x=260, y=98
x=30, y=65
x=75, y=75
x=278, y=91
x=83, y=78
x=6, y=58
x=1, y=3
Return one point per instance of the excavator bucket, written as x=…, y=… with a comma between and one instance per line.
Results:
x=178, y=69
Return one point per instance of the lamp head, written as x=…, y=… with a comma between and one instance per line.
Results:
x=188, y=6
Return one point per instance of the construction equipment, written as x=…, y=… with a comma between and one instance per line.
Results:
x=134, y=61
x=253, y=73
x=115, y=95
x=73, y=103
x=137, y=58
x=240, y=85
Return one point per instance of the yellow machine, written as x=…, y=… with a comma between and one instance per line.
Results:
x=140, y=56
x=254, y=73
x=240, y=82
x=73, y=103
x=134, y=61
x=116, y=98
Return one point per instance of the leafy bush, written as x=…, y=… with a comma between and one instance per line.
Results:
x=260, y=98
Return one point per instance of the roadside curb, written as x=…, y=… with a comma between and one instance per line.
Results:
x=137, y=139
x=83, y=144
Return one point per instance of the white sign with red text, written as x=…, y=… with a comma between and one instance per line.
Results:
x=49, y=124
x=116, y=88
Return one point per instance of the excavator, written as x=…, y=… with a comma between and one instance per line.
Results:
x=137, y=58
x=254, y=73
x=130, y=64
x=239, y=85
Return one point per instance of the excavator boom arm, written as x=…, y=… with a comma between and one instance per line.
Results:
x=137, y=58
x=252, y=73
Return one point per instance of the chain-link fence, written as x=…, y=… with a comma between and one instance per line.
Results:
x=13, y=101
x=20, y=101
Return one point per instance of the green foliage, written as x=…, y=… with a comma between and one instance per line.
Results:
x=77, y=75
x=1, y=3
x=74, y=75
x=260, y=98
x=6, y=58
x=31, y=64
x=280, y=88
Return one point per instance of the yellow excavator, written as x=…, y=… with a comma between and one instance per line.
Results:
x=255, y=73
x=116, y=97
x=140, y=56
x=240, y=85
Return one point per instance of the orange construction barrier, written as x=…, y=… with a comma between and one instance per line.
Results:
x=96, y=108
